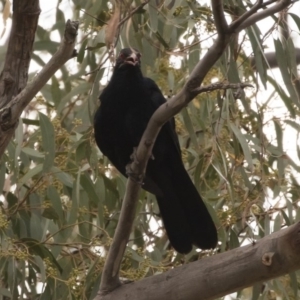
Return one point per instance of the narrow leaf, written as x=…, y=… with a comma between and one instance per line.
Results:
x=243, y=143
x=48, y=142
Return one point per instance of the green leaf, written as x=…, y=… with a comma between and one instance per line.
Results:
x=171, y=80
x=56, y=203
x=29, y=175
x=55, y=90
x=153, y=15
x=72, y=218
x=65, y=178
x=279, y=135
x=189, y=126
x=50, y=213
x=283, y=66
x=33, y=153
x=277, y=222
x=283, y=96
x=48, y=142
x=82, y=88
x=267, y=225
x=37, y=223
x=294, y=283
x=233, y=241
x=19, y=141
x=81, y=51
x=5, y=292
x=42, y=272
x=194, y=57
x=243, y=143
x=2, y=174
x=12, y=274
x=98, y=41
x=44, y=45
x=296, y=19
x=161, y=40
x=41, y=250
x=100, y=191
x=260, y=59
x=256, y=290
x=291, y=53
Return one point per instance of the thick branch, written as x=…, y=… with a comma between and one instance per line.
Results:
x=10, y=113
x=15, y=72
x=272, y=256
x=110, y=276
x=219, y=16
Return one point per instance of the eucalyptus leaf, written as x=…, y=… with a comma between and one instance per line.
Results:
x=48, y=142
x=243, y=144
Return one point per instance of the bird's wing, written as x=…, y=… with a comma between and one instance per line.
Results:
x=157, y=100
x=184, y=213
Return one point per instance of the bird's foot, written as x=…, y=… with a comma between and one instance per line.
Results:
x=138, y=178
x=134, y=158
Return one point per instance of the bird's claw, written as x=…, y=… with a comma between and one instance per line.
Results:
x=133, y=156
x=138, y=178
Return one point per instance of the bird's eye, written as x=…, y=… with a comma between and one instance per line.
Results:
x=122, y=55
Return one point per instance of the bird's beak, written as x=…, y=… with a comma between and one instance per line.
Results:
x=132, y=59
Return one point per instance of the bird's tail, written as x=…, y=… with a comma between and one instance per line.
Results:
x=185, y=216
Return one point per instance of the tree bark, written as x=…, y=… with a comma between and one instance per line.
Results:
x=15, y=72
x=272, y=256
x=14, y=76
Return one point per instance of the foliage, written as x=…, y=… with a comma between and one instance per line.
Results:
x=61, y=198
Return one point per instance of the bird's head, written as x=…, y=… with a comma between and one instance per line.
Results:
x=128, y=57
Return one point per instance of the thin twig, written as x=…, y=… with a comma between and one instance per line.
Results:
x=85, y=12
x=263, y=14
x=133, y=12
x=221, y=86
x=246, y=15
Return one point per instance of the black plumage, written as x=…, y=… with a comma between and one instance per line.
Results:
x=127, y=103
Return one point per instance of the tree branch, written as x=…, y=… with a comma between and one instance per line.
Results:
x=110, y=275
x=10, y=113
x=270, y=257
x=132, y=12
x=14, y=76
x=219, y=16
x=263, y=14
x=246, y=15
x=221, y=86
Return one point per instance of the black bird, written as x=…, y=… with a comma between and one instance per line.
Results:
x=127, y=104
